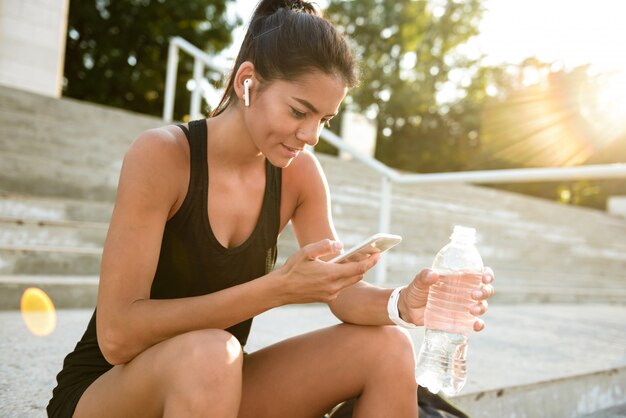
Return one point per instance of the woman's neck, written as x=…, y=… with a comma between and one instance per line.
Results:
x=229, y=141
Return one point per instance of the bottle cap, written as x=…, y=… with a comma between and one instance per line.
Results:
x=464, y=234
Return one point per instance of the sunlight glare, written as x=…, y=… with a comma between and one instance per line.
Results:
x=612, y=97
x=38, y=312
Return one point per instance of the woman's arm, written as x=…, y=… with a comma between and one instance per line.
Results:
x=361, y=303
x=128, y=321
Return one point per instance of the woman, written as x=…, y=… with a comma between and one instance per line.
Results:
x=189, y=256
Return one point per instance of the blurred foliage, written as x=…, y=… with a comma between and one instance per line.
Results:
x=116, y=51
x=410, y=53
x=439, y=108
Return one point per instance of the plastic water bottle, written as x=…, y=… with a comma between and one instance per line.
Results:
x=441, y=362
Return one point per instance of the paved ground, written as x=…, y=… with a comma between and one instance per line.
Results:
x=522, y=346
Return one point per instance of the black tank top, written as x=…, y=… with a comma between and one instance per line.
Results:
x=192, y=262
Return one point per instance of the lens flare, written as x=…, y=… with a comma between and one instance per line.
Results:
x=38, y=312
x=571, y=118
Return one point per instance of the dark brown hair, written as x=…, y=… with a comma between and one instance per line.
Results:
x=287, y=38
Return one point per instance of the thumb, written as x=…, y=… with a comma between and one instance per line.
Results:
x=422, y=282
x=322, y=248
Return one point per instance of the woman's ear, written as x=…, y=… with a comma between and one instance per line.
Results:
x=245, y=82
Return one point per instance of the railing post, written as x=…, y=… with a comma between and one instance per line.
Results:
x=170, y=82
x=196, y=97
x=384, y=222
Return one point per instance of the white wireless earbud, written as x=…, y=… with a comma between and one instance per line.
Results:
x=246, y=91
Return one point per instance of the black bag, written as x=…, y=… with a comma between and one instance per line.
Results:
x=430, y=406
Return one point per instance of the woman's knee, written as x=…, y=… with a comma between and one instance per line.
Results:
x=393, y=357
x=207, y=355
x=389, y=347
x=395, y=341
x=205, y=374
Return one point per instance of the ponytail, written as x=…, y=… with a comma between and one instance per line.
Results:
x=287, y=38
x=269, y=7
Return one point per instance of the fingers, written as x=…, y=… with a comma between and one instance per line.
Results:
x=488, y=276
x=322, y=248
x=350, y=273
x=479, y=308
x=479, y=325
x=358, y=268
x=481, y=295
x=484, y=292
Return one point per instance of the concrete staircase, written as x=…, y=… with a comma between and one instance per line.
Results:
x=59, y=165
x=60, y=162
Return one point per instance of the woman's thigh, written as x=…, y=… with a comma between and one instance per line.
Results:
x=307, y=375
x=142, y=387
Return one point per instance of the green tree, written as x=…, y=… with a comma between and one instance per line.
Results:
x=116, y=50
x=438, y=109
x=416, y=79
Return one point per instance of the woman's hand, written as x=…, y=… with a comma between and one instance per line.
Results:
x=306, y=278
x=412, y=301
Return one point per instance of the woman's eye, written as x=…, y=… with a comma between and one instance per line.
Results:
x=297, y=113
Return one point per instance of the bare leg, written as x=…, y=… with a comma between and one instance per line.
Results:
x=307, y=375
x=191, y=375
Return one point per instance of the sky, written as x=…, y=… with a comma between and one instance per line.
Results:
x=569, y=32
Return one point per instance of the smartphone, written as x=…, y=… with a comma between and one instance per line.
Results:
x=377, y=243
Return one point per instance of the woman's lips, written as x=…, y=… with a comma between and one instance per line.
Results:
x=293, y=152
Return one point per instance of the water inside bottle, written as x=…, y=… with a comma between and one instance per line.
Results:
x=449, y=301
x=441, y=364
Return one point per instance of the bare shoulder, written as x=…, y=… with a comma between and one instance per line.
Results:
x=166, y=142
x=155, y=165
x=304, y=179
x=305, y=166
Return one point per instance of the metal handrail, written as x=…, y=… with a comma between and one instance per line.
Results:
x=511, y=175
x=517, y=175
x=388, y=174
x=201, y=60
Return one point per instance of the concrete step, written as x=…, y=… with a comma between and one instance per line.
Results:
x=23, y=207
x=509, y=254
x=38, y=175
x=34, y=232
x=74, y=293
x=66, y=292
x=618, y=411
x=33, y=260
x=54, y=243
x=76, y=113
x=531, y=360
x=67, y=132
x=54, y=139
x=565, y=360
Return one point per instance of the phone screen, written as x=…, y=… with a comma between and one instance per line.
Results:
x=375, y=244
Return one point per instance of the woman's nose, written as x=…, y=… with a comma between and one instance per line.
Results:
x=309, y=134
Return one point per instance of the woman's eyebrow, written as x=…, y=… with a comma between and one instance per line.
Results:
x=310, y=106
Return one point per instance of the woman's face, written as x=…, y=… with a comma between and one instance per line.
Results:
x=287, y=115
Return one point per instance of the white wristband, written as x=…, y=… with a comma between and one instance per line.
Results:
x=392, y=309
